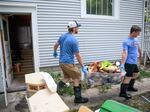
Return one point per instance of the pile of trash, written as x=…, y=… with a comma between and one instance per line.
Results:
x=104, y=67
x=100, y=73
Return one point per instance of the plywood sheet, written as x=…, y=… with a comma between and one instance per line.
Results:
x=45, y=101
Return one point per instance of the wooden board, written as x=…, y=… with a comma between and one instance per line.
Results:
x=45, y=101
x=84, y=109
x=33, y=88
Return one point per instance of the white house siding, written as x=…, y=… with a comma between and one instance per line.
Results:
x=99, y=39
x=1, y=79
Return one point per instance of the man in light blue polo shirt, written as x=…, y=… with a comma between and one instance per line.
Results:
x=68, y=50
x=131, y=53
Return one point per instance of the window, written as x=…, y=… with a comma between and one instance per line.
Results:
x=100, y=8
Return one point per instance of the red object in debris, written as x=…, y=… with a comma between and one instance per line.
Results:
x=18, y=67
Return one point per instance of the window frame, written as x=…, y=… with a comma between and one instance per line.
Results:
x=114, y=17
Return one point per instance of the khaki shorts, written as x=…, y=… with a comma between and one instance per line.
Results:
x=70, y=71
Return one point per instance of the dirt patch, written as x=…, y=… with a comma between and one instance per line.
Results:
x=141, y=102
x=22, y=106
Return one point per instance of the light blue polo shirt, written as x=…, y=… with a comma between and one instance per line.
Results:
x=68, y=47
x=131, y=46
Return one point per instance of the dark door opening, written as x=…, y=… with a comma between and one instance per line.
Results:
x=20, y=35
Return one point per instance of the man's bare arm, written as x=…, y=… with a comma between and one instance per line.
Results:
x=124, y=56
x=140, y=54
x=56, y=46
x=79, y=58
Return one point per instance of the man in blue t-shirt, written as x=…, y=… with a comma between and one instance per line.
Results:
x=68, y=49
x=131, y=53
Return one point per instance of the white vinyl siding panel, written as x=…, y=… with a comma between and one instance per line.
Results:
x=53, y=18
x=99, y=39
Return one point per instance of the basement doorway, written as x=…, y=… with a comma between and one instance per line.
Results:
x=21, y=49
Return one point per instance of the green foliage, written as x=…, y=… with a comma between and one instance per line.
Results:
x=105, y=64
x=68, y=90
x=74, y=110
x=104, y=88
x=144, y=73
x=56, y=76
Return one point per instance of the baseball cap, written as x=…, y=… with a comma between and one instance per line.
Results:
x=73, y=24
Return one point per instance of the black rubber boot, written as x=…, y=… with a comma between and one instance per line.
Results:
x=60, y=86
x=131, y=86
x=78, y=97
x=123, y=92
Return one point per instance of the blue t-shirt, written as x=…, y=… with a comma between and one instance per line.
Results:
x=131, y=46
x=68, y=47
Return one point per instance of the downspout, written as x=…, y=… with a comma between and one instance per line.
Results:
x=143, y=29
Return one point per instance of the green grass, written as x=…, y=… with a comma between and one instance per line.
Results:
x=68, y=90
x=144, y=73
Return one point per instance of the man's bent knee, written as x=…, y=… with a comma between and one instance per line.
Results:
x=135, y=75
x=127, y=80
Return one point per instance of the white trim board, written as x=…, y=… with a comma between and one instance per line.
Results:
x=116, y=11
x=3, y=71
x=17, y=4
x=23, y=8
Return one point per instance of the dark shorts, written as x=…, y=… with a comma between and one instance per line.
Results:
x=130, y=69
x=70, y=71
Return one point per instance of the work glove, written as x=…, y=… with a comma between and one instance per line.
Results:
x=122, y=67
x=85, y=70
x=55, y=54
x=123, y=72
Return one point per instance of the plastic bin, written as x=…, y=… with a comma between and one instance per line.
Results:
x=114, y=106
